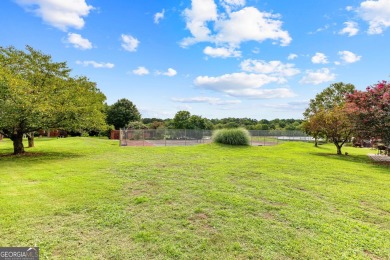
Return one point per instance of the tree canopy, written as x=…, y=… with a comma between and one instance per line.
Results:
x=184, y=120
x=121, y=113
x=370, y=111
x=180, y=121
x=332, y=96
x=37, y=93
x=327, y=117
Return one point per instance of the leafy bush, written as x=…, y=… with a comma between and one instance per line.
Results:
x=84, y=134
x=235, y=136
x=107, y=131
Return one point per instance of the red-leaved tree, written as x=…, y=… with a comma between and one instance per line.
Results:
x=370, y=111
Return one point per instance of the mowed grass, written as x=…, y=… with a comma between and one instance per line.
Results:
x=86, y=198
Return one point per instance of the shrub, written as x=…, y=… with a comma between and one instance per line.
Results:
x=235, y=136
x=107, y=131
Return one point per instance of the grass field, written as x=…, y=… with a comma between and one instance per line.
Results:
x=86, y=198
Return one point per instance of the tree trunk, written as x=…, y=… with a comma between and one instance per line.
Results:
x=30, y=137
x=338, y=148
x=315, y=142
x=17, y=140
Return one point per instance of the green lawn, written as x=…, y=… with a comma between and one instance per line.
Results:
x=86, y=198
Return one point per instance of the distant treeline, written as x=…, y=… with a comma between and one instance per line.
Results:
x=231, y=122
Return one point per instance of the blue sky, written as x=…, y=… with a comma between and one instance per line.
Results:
x=214, y=58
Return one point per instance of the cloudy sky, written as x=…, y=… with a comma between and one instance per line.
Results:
x=214, y=58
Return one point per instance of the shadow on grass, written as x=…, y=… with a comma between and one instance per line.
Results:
x=36, y=153
x=359, y=158
x=229, y=146
x=7, y=156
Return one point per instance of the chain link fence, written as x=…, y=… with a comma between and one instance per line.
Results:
x=184, y=137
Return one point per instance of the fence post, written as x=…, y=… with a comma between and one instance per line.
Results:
x=185, y=137
x=120, y=137
x=165, y=136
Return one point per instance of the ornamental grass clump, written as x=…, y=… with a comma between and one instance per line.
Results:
x=236, y=136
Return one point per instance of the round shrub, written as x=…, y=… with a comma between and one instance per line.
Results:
x=236, y=136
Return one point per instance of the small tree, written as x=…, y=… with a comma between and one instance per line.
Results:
x=157, y=124
x=121, y=113
x=335, y=125
x=312, y=127
x=326, y=115
x=370, y=111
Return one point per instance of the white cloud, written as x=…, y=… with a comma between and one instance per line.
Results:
x=170, y=72
x=129, y=43
x=297, y=105
x=249, y=24
x=141, y=71
x=351, y=28
x=321, y=29
x=201, y=12
x=318, y=76
x=231, y=28
x=261, y=93
x=78, y=41
x=96, y=64
x=249, y=83
x=349, y=8
x=207, y=100
x=376, y=13
x=230, y=5
x=57, y=13
x=221, y=52
x=234, y=2
x=319, y=58
x=275, y=68
x=243, y=85
x=159, y=16
x=235, y=81
x=349, y=57
x=292, y=56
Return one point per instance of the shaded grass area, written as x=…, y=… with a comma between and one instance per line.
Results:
x=90, y=198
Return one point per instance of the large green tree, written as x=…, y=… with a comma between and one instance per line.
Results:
x=184, y=120
x=327, y=117
x=37, y=93
x=199, y=123
x=180, y=121
x=121, y=113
